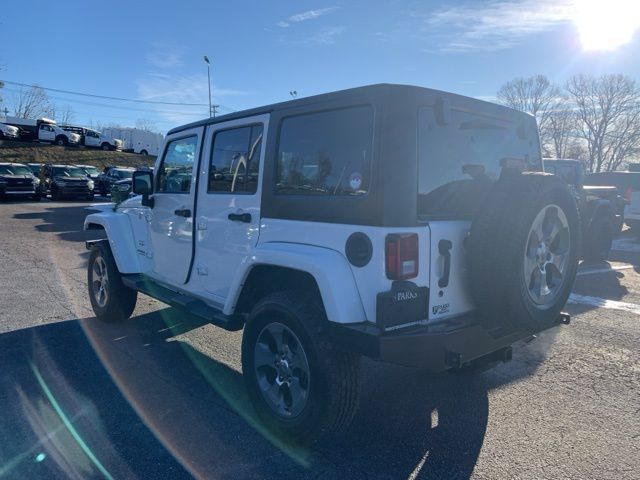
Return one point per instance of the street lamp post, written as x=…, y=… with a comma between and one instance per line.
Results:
x=206, y=59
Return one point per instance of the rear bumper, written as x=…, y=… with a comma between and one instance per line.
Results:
x=442, y=346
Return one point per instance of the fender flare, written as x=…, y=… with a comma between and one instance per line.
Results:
x=120, y=236
x=329, y=268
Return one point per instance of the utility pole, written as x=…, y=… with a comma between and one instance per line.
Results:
x=212, y=111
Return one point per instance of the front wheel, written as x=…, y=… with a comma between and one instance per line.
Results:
x=61, y=141
x=105, y=146
x=111, y=300
x=300, y=386
x=144, y=152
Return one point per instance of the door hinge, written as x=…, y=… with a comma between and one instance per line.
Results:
x=202, y=270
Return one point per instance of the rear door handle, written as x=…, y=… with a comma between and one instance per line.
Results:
x=183, y=212
x=240, y=217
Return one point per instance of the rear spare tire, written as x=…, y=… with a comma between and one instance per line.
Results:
x=523, y=252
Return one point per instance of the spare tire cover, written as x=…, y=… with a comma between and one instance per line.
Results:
x=523, y=252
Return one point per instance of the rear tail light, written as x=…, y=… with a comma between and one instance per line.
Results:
x=401, y=256
x=627, y=195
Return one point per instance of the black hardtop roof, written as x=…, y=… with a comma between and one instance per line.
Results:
x=376, y=90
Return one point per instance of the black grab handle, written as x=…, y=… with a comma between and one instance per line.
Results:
x=240, y=217
x=183, y=212
x=444, y=247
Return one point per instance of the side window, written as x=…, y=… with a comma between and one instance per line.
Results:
x=235, y=161
x=174, y=175
x=326, y=153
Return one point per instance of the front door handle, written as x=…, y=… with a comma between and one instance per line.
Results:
x=183, y=212
x=240, y=217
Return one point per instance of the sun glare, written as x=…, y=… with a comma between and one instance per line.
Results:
x=606, y=24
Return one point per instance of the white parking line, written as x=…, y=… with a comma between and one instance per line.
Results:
x=604, y=303
x=626, y=245
x=611, y=268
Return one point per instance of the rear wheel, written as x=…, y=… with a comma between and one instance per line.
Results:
x=523, y=252
x=111, y=300
x=300, y=386
x=597, y=244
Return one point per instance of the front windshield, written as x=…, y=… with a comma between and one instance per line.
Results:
x=14, y=170
x=69, y=172
x=124, y=174
x=91, y=170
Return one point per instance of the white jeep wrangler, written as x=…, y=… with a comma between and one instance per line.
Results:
x=404, y=224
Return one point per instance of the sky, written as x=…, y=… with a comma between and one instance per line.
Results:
x=262, y=50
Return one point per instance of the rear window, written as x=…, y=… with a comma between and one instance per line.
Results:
x=326, y=153
x=458, y=159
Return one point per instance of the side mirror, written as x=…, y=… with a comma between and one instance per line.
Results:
x=142, y=184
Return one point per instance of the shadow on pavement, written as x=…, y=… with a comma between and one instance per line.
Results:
x=82, y=398
x=67, y=222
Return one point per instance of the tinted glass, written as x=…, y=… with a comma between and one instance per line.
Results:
x=14, y=170
x=235, y=161
x=326, y=153
x=176, y=169
x=459, y=158
x=68, y=172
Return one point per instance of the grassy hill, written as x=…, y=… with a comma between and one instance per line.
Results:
x=25, y=152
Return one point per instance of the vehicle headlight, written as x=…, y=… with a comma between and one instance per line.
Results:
x=123, y=188
x=90, y=184
x=36, y=181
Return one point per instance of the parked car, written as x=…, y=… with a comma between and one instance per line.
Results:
x=9, y=132
x=111, y=175
x=601, y=208
x=66, y=181
x=93, y=138
x=361, y=222
x=628, y=184
x=17, y=180
x=43, y=130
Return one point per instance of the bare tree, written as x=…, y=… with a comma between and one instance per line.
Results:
x=560, y=132
x=535, y=95
x=32, y=103
x=607, y=109
x=146, y=125
x=66, y=115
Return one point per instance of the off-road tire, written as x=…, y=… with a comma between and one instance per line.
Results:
x=496, y=252
x=334, y=386
x=598, y=240
x=121, y=300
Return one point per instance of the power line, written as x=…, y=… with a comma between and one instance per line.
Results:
x=104, y=97
x=117, y=107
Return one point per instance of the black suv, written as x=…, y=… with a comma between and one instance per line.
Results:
x=66, y=181
x=16, y=180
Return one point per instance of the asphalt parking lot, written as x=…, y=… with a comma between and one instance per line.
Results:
x=161, y=396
